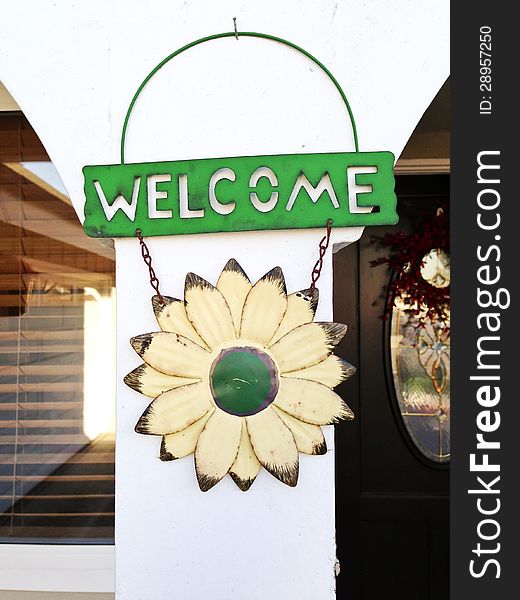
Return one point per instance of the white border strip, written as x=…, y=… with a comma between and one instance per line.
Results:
x=57, y=568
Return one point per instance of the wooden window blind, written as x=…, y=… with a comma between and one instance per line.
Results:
x=56, y=359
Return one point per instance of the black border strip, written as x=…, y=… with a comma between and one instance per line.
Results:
x=476, y=129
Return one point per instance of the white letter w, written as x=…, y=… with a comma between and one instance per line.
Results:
x=120, y=202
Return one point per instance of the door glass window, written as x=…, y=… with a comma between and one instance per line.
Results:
x=420, y=357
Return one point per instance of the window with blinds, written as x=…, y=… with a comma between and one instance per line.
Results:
x=57, y=357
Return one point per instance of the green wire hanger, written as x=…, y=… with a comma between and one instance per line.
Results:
x=236, y=34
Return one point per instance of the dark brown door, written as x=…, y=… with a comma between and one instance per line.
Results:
x=392, y=504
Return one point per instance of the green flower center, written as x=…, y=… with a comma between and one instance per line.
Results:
x=243, y=381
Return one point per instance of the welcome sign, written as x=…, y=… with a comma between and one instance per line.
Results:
x=249, y=193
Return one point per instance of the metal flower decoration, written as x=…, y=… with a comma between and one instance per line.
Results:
x=241, y=376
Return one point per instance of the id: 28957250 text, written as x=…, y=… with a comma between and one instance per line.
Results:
x=485, y=70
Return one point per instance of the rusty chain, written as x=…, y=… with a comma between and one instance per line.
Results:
x=145, y=253
x=324, y=244
x=315, y=275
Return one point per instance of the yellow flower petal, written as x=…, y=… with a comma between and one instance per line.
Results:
x=234, y=285
x=309, y=438
x=301, y=307
x=246, y=465
x=264, y=307
x=217, y=448
x=146, y=380
x=274, y=445
x=306, y=345
x=182, y=443
x=331, y=371
x=175, y=410
x=311, y=402
x=207, y=311
x=172, y=317
x=172, y=354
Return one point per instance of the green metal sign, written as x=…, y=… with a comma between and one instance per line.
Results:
x=246, y=193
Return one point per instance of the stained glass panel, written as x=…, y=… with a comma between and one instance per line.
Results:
x=420, y=355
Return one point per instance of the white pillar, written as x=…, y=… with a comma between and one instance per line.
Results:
x=272, y=541
x=226, y=98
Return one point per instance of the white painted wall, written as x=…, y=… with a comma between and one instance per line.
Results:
x=225, y=98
